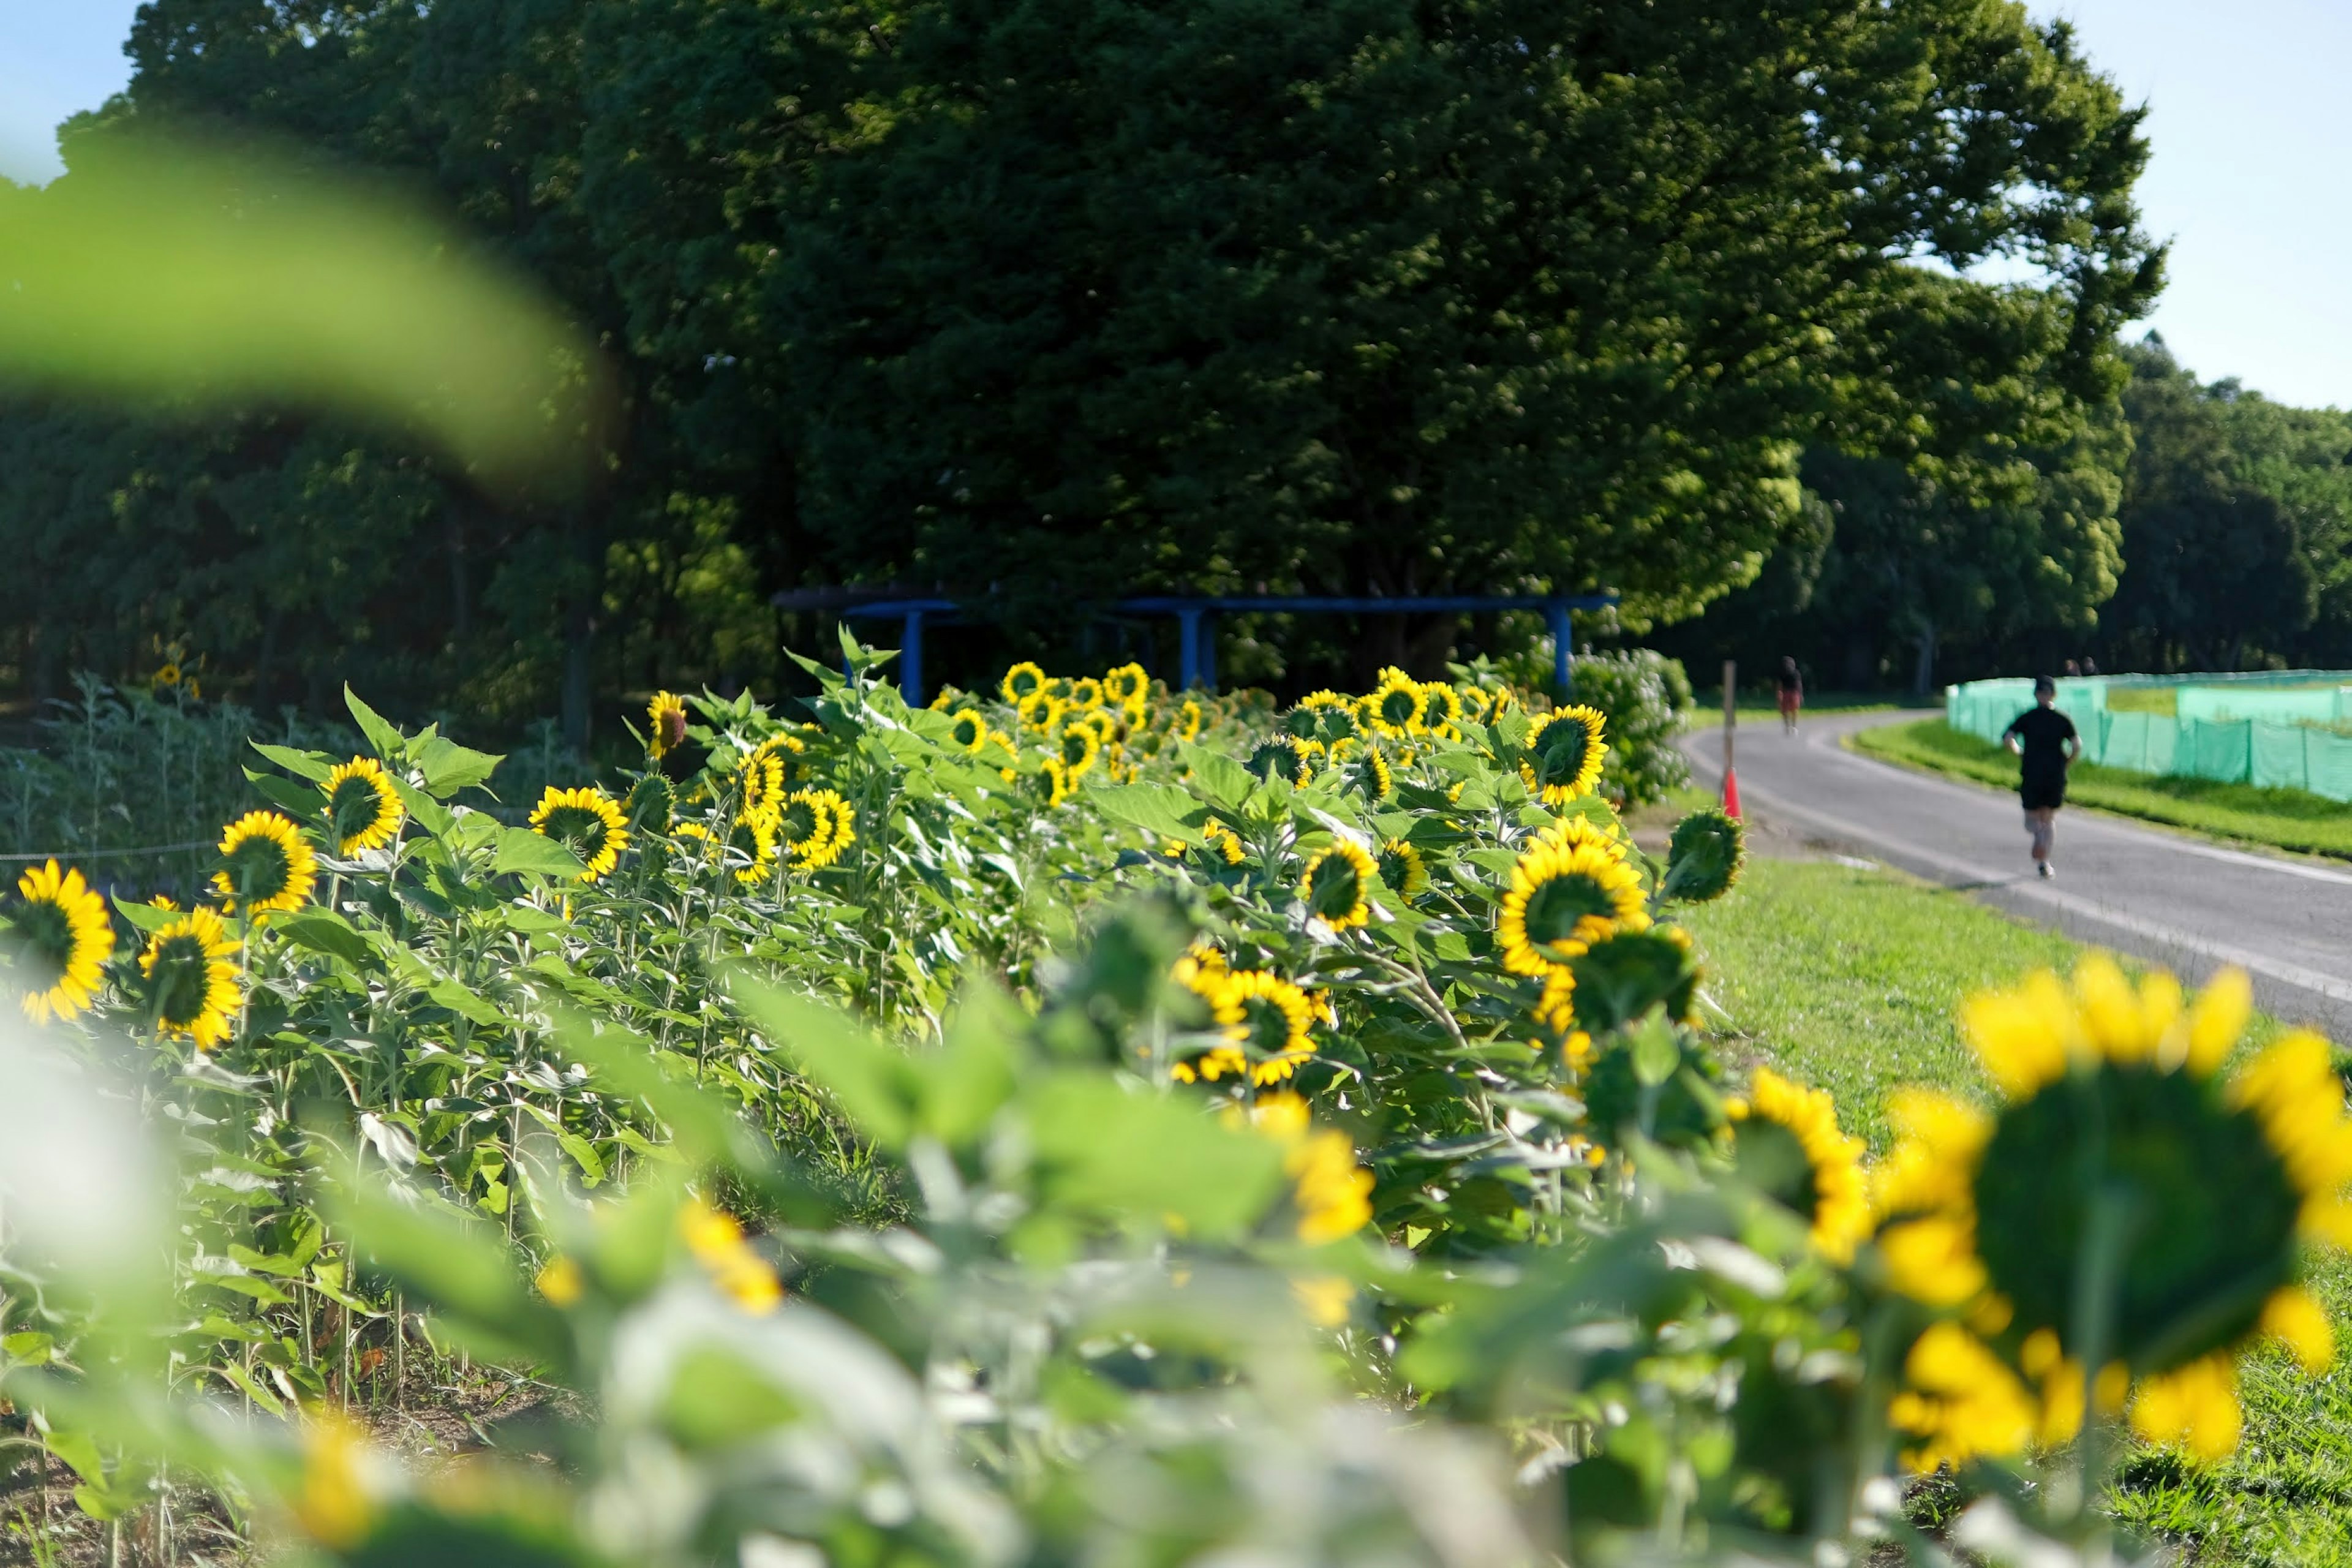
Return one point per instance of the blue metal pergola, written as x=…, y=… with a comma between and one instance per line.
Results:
x=1196, y=620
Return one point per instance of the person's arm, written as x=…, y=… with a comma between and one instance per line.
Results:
x=2008, y=739
x=2074, y=743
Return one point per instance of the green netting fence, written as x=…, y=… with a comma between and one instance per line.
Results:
x=2286, y=728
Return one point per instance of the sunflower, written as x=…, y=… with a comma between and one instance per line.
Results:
x=1057, y=780
x=1203, y=973
x=1562, y=900
x=790, y=753
x=60, y=936
x=1402, y=868
x=1127, y=685
x=1331, y=1192
x=741, y=1274
x=1476, y=706
x=1363, y=770
x=2113, y=1095
x=967, y=732
x=1564, y=754
x=1704, y=857
x=1220, y=843
x=586, y=821
x=812, y=828
x=1189, y=718
x=1021, y=682
x=1087, y=692
x=1788, y=1136
x=1284, y=757
x=1078, y=746
x=1335, y=885
x=1441, y=708
x=1039, y=710
x=192, y=978
x=759, y=783
x=664, y=724
x=266, y=865
x=1397, y=706
x=363, y=809
x=1275, y=1017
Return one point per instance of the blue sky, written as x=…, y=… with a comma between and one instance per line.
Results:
x=2251, y=153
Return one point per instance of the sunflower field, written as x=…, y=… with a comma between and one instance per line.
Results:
x=1076, y=1122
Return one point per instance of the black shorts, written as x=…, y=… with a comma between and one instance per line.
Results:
x=2043, y=794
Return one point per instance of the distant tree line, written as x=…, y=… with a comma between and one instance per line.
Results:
x=1040, y=302
x=2196, y=526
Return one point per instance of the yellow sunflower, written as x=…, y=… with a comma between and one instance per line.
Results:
x=1057, y=780
x=750, y=845
x=1021, y=682
x=266, y=865
x=1189, y=719
x=666, y=724
x=1087, y=692
x=61, y=936
x=587, y=822
x=1077, y=745
x=759, y=783
x=1564, y=750
x=814, y=828
x=1398, y=706
x=1402, y=869
x=1127, y=685
x=791, y=754
x=1335, y=886
x=1830, y=1190
x=967, y=732
x=1562, y=900
x=1276, y=1019
x=739, y=1273
x=1476, y=706
x=1203, y=973
x=1441, y=708
x=191, y=976
x=1039, y=710
x=2114, y=1102
x=363, y=809
x=1331, y=1192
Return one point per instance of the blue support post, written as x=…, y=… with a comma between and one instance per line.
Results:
x=1188, y=662
x=910, y=659
x=1209, y=651
x=1563, y=640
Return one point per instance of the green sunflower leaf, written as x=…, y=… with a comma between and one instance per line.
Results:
x=301, y=765
x=285, y=793
x=381, y=733
x=521, y=849
x=449, y=767
x=324, y=930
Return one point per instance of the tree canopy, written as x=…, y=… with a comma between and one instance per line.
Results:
x=1037, y=301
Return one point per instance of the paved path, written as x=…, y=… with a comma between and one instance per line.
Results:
x=2182, y=903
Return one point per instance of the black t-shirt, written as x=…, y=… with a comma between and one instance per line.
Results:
x=2042, y=732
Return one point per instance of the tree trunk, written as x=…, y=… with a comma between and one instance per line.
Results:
x=1922, y=672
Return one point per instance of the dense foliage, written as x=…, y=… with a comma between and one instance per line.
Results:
x=2194, y=526
x=1041, y=303
x=1077, y=1123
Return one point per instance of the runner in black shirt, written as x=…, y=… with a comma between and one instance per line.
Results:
x=2045, y=740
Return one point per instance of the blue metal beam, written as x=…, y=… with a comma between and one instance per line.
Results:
x=1196, y=621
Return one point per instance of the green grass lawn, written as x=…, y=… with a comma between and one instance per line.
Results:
x=1852, y=979
x=2282, y=818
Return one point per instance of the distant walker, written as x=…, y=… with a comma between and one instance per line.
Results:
x=1792, y=695
x=2046, y=745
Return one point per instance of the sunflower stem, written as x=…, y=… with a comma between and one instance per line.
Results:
x=2109, y=1223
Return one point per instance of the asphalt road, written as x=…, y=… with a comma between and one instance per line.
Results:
x=2172, y=900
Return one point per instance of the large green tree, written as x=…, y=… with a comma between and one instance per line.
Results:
x=1045, y=299
x=1065, y=296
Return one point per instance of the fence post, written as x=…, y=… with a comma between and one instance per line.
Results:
x=910, y=659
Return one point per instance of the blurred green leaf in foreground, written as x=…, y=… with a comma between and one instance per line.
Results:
x=165, y=267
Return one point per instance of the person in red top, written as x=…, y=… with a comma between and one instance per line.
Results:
x=1792, y=695
x=2046, y=745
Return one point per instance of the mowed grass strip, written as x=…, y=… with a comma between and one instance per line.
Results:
x=2235, y=813
x=1850, y=979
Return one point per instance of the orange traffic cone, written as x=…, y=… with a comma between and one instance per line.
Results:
x=1730, y=792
